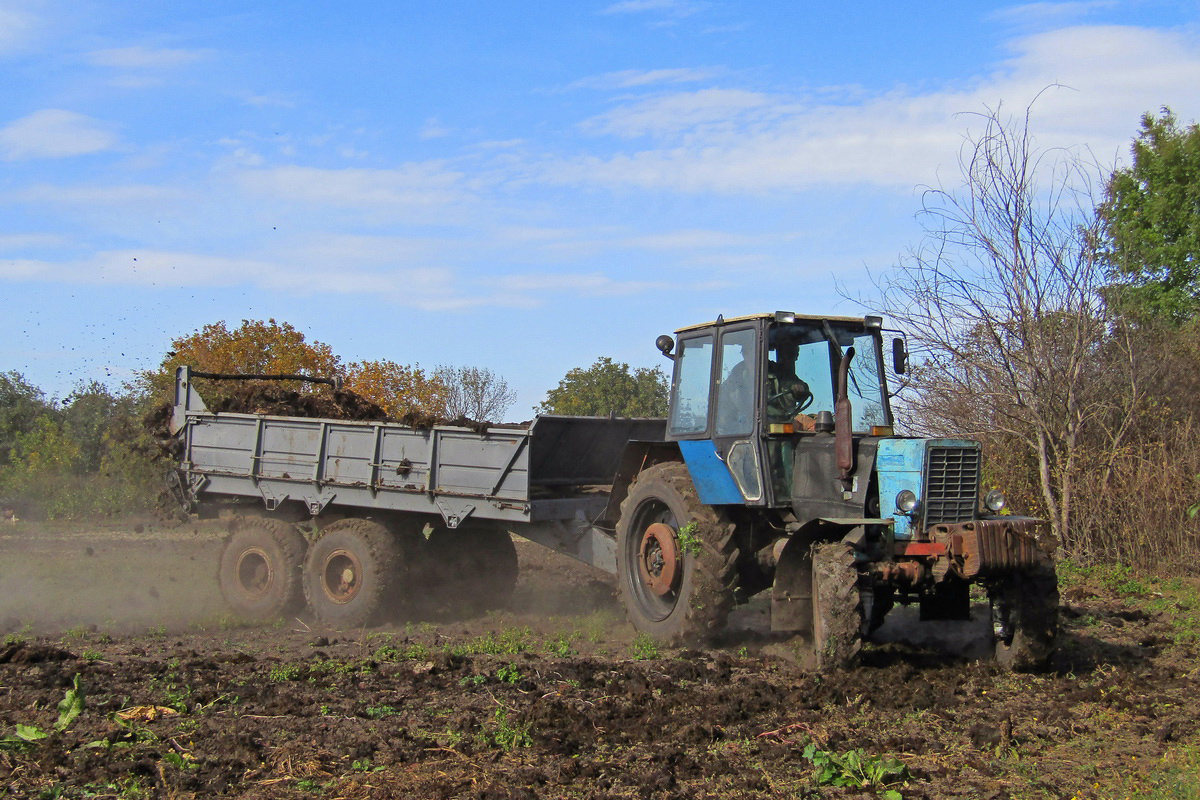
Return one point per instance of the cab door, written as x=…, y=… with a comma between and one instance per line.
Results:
x=737, y=400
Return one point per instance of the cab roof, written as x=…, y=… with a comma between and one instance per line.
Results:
x=769, y=315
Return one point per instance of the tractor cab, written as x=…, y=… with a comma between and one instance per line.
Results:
x=748, y=391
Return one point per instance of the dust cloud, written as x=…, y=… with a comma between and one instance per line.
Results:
x=115, y=577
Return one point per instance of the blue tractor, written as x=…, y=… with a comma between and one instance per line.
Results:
x=781, y=470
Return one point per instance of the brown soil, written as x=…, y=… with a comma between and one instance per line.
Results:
x=553, y=698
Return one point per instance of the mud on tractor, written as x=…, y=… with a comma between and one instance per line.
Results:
x=778, y=470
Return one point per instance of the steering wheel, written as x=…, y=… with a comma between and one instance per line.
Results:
x=802, y=398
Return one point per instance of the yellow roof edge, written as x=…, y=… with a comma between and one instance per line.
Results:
x=767, y=315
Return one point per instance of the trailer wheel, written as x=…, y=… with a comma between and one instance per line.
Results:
x=260, y=566
x=676, y=557
x=1025, y=619
x=471, y=570
x=837, y=606
x=350, y=573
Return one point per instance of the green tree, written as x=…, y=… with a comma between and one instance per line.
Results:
x=609, y=387
x=1150, y=222
x=87, y=414
x=21, y=404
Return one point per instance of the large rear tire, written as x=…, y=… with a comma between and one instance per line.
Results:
x=1025, y=619
x=837, y=606
x=351, y=572
x=676, y=558
x=260, y=566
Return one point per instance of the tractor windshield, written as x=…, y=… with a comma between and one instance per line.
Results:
x=808, y=352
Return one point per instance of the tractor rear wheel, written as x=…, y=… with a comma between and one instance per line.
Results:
x=1025, y=619
x=259, y=572
x=351, y=572
x=837, y=606
x=676, y=557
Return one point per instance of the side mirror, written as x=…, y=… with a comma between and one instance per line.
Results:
x=899, y=356
x=665, y=345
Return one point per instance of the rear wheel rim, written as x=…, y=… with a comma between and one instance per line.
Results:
x=656, y=605
x=341, y=576
x=658, y=559
x=254, y=573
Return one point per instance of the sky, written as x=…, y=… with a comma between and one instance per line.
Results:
x=525, y=185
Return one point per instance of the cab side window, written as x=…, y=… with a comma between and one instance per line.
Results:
x=693, y=374
x=738, y=380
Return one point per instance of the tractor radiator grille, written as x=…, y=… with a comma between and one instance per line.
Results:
x=951, y=484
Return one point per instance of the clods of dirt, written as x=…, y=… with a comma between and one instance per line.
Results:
x=23, y=652
x=553, y=699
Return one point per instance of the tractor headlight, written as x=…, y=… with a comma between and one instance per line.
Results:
x=995, y=501
x=906, y=501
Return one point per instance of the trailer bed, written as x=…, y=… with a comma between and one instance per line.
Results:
x=544, y=472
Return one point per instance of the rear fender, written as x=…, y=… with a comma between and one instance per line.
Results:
x=791, y=593
x=636, y=457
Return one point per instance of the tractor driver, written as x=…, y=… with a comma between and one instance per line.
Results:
x=787, y=394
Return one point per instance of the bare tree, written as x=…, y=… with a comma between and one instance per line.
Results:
x=1003, y=306
x=475, y=393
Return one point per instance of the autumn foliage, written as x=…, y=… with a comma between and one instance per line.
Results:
x=398, y=389
x=254, y=347
x=277, y=348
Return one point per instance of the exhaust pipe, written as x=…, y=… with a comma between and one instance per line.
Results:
x=843, y=444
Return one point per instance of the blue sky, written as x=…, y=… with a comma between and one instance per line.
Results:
x=520, y=185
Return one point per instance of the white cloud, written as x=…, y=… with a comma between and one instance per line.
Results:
x=21, y=269
x=678, y=8
x=499, y=144
x=53, y=133
x=630, y=78
x=676, y=113
x=420, y=287
x=1050, y=13
x=410, y=186
x=589, y=284
x=144, y=58
x=20, y=241
x=275, y=100
x=723, y=140
x=429, y=288
x=433, y=129
x=98, y=196
x=18, y=27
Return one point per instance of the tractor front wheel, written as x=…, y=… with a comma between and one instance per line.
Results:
x=676, y=557
x=1025, y=618
x=837, y=606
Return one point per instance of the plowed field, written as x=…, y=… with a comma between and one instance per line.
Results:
x=556, y=697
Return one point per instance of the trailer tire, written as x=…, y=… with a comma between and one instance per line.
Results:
x=687, y=597
x=837, y=606
x=471, y=570
x=260, y=568
x=351, y=571
x=1025, y=619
